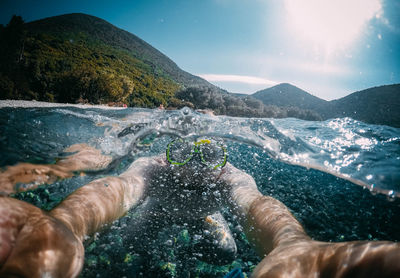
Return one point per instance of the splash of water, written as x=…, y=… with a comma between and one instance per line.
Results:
x=363, y=154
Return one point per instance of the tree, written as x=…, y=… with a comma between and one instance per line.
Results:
x=13, y=38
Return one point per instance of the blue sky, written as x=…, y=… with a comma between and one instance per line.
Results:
x=330, y=49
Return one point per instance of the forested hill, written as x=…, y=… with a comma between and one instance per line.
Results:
x=98, y=31
x=378, y=105
x=285, y=95
x=81, y=57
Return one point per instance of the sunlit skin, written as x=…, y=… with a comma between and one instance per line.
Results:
x=33, y=242
x=82, y=157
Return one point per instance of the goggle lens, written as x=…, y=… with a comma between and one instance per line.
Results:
x=179, y=152
x=213, y=154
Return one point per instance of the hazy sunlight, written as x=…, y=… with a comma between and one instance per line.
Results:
x=331, y=24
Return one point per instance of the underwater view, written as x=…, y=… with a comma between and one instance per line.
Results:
x=340, y=178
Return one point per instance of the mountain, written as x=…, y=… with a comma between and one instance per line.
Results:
x=378, y=105
x=95, y=29
x=81, y=57
x=285, y=95
x=245, y=106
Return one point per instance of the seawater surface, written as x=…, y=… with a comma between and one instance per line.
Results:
x=340, y=177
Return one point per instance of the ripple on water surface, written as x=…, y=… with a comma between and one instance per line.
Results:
x=329, y=207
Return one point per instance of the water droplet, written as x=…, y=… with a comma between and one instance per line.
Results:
x=197, y=237
x=212, y=185
x=372, y=189
x=185, y=111
x=217, y=194
x=391, y=196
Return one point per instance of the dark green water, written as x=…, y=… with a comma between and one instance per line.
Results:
x=330, y=208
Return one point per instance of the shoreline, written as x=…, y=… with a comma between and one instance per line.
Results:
x=43, y=104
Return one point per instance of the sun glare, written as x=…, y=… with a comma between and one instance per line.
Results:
x=331, y=23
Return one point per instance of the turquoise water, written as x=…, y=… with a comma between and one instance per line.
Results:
x=345, y=188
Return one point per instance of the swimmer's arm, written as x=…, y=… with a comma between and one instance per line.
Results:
x=27, y=176
x=103, y=201
x=269, y=225
x=266, y=221
x=241, y=188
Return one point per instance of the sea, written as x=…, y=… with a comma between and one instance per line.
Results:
x=340, y=177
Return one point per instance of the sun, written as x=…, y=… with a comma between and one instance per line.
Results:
x=331, y=23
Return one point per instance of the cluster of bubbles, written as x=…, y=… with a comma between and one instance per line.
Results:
x=330, y=208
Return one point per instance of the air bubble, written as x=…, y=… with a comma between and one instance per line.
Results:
x=212, y=185
x=185, y=111
x=197, y=237
x=217, y=194
x=372, y=189
x=391, y=196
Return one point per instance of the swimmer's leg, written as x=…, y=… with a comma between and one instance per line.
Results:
x=82, y=158
x=217, y=245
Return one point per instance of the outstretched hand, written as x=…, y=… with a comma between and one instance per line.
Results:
x=27, y=176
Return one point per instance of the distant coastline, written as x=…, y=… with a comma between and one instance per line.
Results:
x=34, y=103
x=84, y=60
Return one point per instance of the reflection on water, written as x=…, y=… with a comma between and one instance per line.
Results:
x=330, y=208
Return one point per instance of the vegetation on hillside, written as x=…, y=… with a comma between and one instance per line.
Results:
x=81, y=58
x=227, y=104
x=285, y=95
x=378, y=105
x=74, y=67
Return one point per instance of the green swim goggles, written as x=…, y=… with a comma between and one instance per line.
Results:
x=212, y=153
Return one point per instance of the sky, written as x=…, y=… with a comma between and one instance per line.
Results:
x=329, y=48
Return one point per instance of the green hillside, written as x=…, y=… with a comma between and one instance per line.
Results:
x=378, y=105
x=286, y=95
x=81, y=58
x=77, y=57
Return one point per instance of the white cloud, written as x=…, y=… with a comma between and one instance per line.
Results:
x=238, y=79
